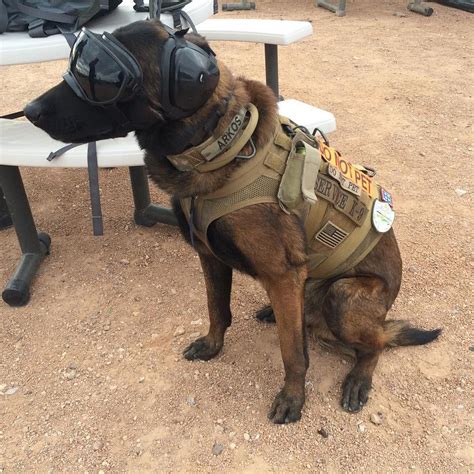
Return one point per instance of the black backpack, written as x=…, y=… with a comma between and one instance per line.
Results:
x=49, y=17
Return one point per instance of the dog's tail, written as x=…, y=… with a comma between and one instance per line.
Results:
x=400, y=333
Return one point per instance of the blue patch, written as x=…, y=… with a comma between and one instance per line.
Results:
x=385, y=196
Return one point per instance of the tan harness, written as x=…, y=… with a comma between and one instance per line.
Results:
x=334, y=198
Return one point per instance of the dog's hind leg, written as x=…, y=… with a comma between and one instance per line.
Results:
x=218, y=277
x=355, y=311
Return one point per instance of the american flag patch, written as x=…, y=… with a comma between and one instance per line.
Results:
x=331, y=235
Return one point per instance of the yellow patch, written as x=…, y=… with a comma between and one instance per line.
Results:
x=347, y=169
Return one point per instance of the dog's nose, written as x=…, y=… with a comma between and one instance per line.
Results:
x=33, y=111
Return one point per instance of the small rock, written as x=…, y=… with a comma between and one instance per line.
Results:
x=3, y=388
x=11, y=391
x=179, y=331
x=141, y=379
x=124, y=261
x=246, y=437
x=219, y=421
x=376, y=418
x=219, y=429
x=422, y=154
x=323, y=433
x=191, y=401
x=399, y=14
x=360, y=427
x=70, y=374
x=196, y=322
x=471, y=349
x=460, y=192
x=97, y=445
x=217, y=449
x=135, y=313
x=232, y=445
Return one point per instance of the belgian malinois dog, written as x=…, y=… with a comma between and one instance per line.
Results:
x=259, y=240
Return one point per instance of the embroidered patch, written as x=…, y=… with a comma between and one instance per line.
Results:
x=382, y=216
x=385, y=196
x=223, y=142
x=343, y=201
x=345, y=183
x=347, y=169
x=331, y=235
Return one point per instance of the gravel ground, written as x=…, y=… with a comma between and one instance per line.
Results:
x=91, y=373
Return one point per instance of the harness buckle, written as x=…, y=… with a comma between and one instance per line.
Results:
x=252, y=154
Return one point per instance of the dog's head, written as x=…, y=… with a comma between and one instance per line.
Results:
x=67, y=114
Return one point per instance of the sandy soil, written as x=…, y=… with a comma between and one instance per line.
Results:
x=101, y=385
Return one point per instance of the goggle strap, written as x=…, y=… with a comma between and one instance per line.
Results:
x=70, y=38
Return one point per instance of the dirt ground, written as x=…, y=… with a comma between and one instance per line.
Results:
x=91, y=369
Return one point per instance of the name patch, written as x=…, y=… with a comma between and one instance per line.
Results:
x=343, y=201
x=343, y=181
x=360, y=179
x=222, y=142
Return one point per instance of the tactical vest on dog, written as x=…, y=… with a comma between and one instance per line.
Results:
x=344, y=211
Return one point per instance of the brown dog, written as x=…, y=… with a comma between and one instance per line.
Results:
x=260, y=240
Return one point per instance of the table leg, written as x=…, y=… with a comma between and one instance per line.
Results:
x=339, y=9
x=34, y=246
x=271, y=68
x=5, y=217
x=146, y=213
x=416, y=7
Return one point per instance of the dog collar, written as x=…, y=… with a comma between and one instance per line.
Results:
x=218, y=151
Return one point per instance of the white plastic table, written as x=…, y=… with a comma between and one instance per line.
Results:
x=19, y=48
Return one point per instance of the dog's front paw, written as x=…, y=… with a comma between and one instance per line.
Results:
x=286, y=408
x=203, y=348
x=355, y=392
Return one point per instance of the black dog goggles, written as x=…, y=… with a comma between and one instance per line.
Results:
x=101, y=70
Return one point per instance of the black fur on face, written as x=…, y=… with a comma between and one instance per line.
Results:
x=66, y=117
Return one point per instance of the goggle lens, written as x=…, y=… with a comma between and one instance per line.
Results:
x=96, y=71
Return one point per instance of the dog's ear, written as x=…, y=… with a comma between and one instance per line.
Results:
x=199, y=41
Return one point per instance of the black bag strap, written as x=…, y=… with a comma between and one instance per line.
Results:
x=3, y=17
x=93, y=170
x=13, y=115
x=60, y=151
x=46, y=14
